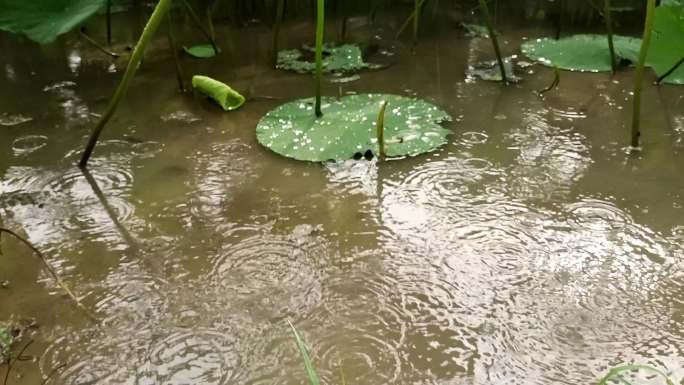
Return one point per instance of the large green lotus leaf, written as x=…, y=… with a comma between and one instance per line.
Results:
x=43, y=20
x=667, y=44
x=221, y=93
x=344, y=58
x=581, y=52
x=347, y=128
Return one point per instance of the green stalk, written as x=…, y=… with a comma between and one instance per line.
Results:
x=408, y=20
x=609, y=29
x=304, y=351
x=199, y=25
x=320, y=25
x=416, y=19
x=174, y=52
x=492, y=34
x=280, y=10
x=380, y=129
x=152, y=24
x=109, y=22
x=639, y=77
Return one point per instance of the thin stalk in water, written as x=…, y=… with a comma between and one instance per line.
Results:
x=304, y=351
x=380, y=129
x=417, y=4
x=148, y=32
x=609, y=29
x=639, y=76
x=670, y=71
x=97, y=45
x=52, y=272
x=210, y=21
x=174, y=52
x=408, y=20
x=280, y=10
x=320, y=29
x=109, y=22
x=199, y=25
x=554, y=83
x=492, y=35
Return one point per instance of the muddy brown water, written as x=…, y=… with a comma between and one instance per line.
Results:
x=532, y=249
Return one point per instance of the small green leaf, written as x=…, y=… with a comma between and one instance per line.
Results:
x=581, y=52
x=308, y=364
x=202, y=51
x=221, y=93
x=617, y=372
x=347, y=127
x=6, y=341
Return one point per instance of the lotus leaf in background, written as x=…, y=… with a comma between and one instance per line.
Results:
x=344, y=58
x=347, y=127
x=43, y=20
x=667, y=44
x=221, y=93
x=202, y=51
x=582, y=52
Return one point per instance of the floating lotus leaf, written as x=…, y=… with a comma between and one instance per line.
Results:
x=347, y=128
x=667, y=44
x=344, y=58
x=202, y=51
x=221, y=93
x=582, y=52
x=43, y=20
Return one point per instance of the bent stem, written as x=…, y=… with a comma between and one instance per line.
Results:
x=639, y=76
x=52, y=272
x=320, y=25
x=280, y=10
x=174, y=52
x=408, y=20
x=199, y=25
x=380, y=129
x=148, y=32
x=609, y=29
x=495, y=41
x=670, y=71
x=554, y=83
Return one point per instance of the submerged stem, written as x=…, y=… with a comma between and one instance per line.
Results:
x=416, y=19
x=492, y=34
x=320, y=25
x=554, y=83
x=52, y=272
x=280, y=10
x=152, y=24
x=380, y=129
x=639, y=76
x=609, y=29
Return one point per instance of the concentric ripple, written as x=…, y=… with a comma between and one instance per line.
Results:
x=28, y=144
x=184, y=357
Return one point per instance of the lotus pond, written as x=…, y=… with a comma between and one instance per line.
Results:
x=432, y=225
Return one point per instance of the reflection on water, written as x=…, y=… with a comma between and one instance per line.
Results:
x=528, y=251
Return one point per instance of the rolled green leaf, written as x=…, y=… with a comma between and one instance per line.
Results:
x=221, y=93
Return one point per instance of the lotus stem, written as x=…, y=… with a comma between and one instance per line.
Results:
x=408, y=20
x=52, y=272
x=280, y=11
x=416, y=18
x=210, y=22
x=148, y=32
x=554, y=83
x=670, y=71
x=492, y=35
x=380, y=129
x=199, y=25
x=639, y=76
x=320, y=29
x=109, y=22
x=174, y=52
x=97, y=45
x=609, y=29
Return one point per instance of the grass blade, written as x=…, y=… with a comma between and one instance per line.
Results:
x=310, y=370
